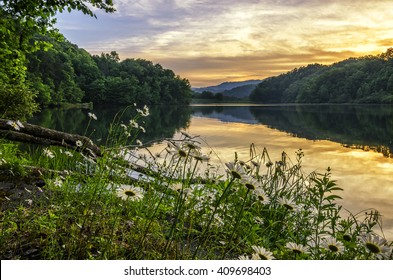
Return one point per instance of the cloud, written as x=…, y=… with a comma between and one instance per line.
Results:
x=229, y=33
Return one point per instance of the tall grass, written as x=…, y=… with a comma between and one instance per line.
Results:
x=179, y=207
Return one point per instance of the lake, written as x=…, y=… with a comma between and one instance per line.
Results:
x=356, y=142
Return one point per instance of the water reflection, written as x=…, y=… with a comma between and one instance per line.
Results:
x=366, y=177
x=324, y=133
x=364, y=127
x=162, y=122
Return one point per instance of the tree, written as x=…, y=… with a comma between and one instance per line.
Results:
x=20, y=21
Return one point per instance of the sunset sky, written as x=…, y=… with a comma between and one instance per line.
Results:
x=213, y=41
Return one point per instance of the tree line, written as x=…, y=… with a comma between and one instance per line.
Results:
x=38, y=67
x=367, y=79
x=67, y=73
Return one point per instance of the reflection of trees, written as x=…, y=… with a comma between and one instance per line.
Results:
x=226, y=113
x=351, y=125
x=163, y=121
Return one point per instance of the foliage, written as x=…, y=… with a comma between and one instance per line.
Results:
x=19, y=22
x=209, y=95
x=182, y=207
x=366, y=79
x=67, y=73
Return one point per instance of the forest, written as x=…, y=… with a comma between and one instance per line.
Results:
x=367, y=79
x=67, y=73
x=39, y=67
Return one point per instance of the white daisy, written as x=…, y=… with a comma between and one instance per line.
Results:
x=134, y=124
x=16, y=125
x=132, y=193
x=92, y=116
x=235, y=170
x=262, y=197
x=288, y=203
x=78, y=143
x=296, y=248
x=48, y=153
x=376, y=245
x=333, y=245
x=262, y=253
x=250, y=183
x=200, y=157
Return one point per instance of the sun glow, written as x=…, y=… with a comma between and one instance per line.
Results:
x=208, y=42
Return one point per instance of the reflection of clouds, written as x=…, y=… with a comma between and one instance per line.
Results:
x=359, y=173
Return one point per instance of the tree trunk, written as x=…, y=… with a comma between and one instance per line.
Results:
x=36, y=134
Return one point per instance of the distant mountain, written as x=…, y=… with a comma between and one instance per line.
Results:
x=226, y=86
x=240, y=92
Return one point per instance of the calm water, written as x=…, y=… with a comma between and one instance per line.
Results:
x=356, y=142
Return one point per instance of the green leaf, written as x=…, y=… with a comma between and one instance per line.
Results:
x=333, y=197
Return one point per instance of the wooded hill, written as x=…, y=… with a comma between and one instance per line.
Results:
x=67, y=73
x=367, y=79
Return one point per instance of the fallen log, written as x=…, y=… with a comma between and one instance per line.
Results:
x=35, y=134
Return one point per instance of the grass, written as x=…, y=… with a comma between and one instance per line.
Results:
x=182, y=207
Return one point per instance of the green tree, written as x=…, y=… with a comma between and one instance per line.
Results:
x=20, y=21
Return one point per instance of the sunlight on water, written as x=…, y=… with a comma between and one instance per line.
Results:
x=366, y=177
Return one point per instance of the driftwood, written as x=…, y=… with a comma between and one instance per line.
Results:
x=29, y=133
x=35, y=134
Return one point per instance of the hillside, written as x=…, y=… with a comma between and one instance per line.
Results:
x=240, y=92
x=67, y=73
x=366, y=79
x=226, y=86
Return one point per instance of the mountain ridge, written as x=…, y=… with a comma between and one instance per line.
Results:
x=226, y=86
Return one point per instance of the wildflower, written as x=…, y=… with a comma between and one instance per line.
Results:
x=68, y=153
x=175, y=149
x=142, y=129
x=48, y=153
x=262, y=197
x=29, y=201
x=296, y=248
x=16, y=125
x=258, y=220
x=262, y=253
x=333, y=245
x=288, y=203
x=376, y=245
x=130, y=193
x=250, y=183
x=191, y=145
x=139, y=142
x=58, y=182
x=92, y=116
x=235, y=170
x=176, y=187
x=78, y=143
x=145, y=112
x=199, y=156
x=244, y=258
x=134, y=124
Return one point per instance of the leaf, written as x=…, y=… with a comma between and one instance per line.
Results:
x=336, y=189
x=333, y=197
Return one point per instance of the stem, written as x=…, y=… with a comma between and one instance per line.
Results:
x=202, y=238
x=238, y=218
x=156, y=209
